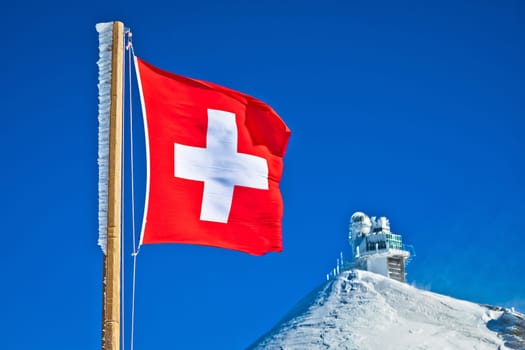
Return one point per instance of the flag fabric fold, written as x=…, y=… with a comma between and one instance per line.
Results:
x=215, y=160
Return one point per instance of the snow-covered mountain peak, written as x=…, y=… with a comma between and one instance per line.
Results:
x=362, y=310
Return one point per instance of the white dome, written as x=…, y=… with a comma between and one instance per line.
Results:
x=360, y=225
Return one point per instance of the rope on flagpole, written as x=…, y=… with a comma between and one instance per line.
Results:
x=129, y=48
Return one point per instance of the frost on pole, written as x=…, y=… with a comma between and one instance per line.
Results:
x=105, y=39
x=376, y=248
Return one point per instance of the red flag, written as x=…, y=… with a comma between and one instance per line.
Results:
x=215, y=159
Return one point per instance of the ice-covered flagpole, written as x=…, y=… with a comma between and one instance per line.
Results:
x=110, y=87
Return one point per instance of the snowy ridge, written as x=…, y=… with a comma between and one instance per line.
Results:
x=362, y=310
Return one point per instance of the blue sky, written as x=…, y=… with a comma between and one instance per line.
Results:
x=413, y=110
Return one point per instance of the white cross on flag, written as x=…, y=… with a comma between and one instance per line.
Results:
x=215, y=159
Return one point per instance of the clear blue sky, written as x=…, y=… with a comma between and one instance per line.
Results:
x=414, y=111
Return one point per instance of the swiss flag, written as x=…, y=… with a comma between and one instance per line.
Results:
x=215, y=159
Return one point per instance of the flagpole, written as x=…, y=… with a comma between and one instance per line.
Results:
x=111, y=281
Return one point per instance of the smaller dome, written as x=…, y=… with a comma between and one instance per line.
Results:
x=383, y=223
x=359, y=216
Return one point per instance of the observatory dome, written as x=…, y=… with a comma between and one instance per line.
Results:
x=360, y=225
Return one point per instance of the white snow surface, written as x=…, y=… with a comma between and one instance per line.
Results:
x=362, y=310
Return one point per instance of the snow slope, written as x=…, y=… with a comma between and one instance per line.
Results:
x=362, y=310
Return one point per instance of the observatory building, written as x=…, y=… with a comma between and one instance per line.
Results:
x=376, y=248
